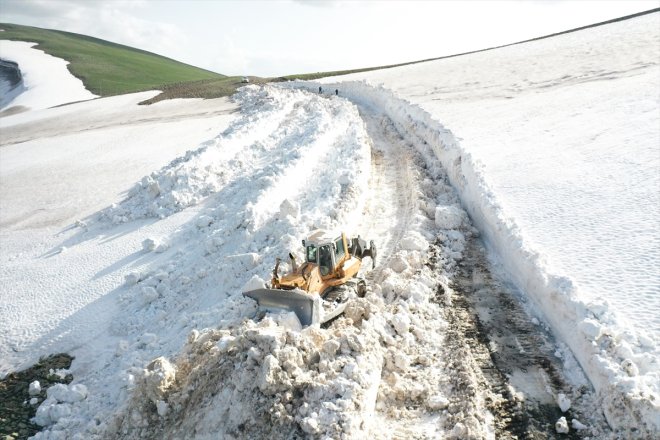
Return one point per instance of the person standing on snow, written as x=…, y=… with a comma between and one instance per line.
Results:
x=320, y=90
x=336, y=92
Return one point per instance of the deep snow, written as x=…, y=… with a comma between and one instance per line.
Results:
x=145, y=289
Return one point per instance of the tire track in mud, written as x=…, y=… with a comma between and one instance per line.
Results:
x=515, y=353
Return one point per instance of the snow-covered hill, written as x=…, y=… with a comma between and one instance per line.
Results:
x=46, y=79
x=129, y=252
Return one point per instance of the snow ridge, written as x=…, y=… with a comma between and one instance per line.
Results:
x=287, y=180
x=215, y=164
x=622, y=365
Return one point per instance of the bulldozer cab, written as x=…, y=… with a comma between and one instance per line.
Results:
x=327, y=255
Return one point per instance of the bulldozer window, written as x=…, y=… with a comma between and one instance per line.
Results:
x=325, y=260
x=311, y=254
x=339, y=249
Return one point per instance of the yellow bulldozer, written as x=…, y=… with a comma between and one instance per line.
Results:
x=319, y=289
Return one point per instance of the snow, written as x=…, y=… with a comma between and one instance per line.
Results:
x=34, y=388
x=562, y=426
x=554, y=150
x=147, y=296
x=46, y=79
x=563, y=402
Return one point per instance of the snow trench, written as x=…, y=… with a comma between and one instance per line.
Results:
x=380, y=363
x=621, y=365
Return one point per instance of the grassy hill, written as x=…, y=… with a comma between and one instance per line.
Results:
x=108, y=68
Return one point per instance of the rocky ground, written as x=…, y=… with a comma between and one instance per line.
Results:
x=18, y=406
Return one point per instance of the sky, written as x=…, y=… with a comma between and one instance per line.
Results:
x=281, y=37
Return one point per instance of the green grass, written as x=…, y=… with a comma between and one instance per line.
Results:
x=108, y=68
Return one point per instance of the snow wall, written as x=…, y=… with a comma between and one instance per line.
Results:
x=621, y=366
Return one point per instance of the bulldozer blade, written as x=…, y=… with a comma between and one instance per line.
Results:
x=306, y=307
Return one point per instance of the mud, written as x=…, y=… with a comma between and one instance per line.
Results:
x=521, y=371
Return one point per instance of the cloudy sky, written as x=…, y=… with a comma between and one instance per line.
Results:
x=277, y=37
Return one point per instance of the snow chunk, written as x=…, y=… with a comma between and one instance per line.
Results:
x=331, y=347
x=77, y=392
x=62, y=393
x=563, y=402
x=413, y=241
x=204, y=221
x=399, y=264
x=438, y=402
x=42, y=417
x=561, y=426
x=289, y=208
x=162, y=408
x=34, y=388
x=591, y=328
x=630, y=368
x=149, y=294
x=575, y=423
x=247, y=261
x=310, y=425
x=152, y=244
x=459, y=431
x=449, y=217
x=59, y=411
x=159, y=376
x=131, y=279
x=288, y=320
x=401, y=323
x=256, y=282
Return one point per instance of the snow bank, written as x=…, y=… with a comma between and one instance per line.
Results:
x=46, y=79
x=266, y=141
x=601, y=344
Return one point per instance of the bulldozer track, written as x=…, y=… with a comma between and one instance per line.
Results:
x=393, y=182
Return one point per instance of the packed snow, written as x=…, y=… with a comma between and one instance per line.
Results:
x=46, y=80
x=139, y=273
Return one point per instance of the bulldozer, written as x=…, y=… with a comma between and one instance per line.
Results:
x=319, y=289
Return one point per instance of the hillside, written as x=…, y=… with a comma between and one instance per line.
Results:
x=108, y=68
x=512, y=195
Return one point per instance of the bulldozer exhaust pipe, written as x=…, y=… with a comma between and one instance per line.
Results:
x=294, y=264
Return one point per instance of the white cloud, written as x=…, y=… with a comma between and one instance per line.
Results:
x=117, y=21
x=229, y=58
